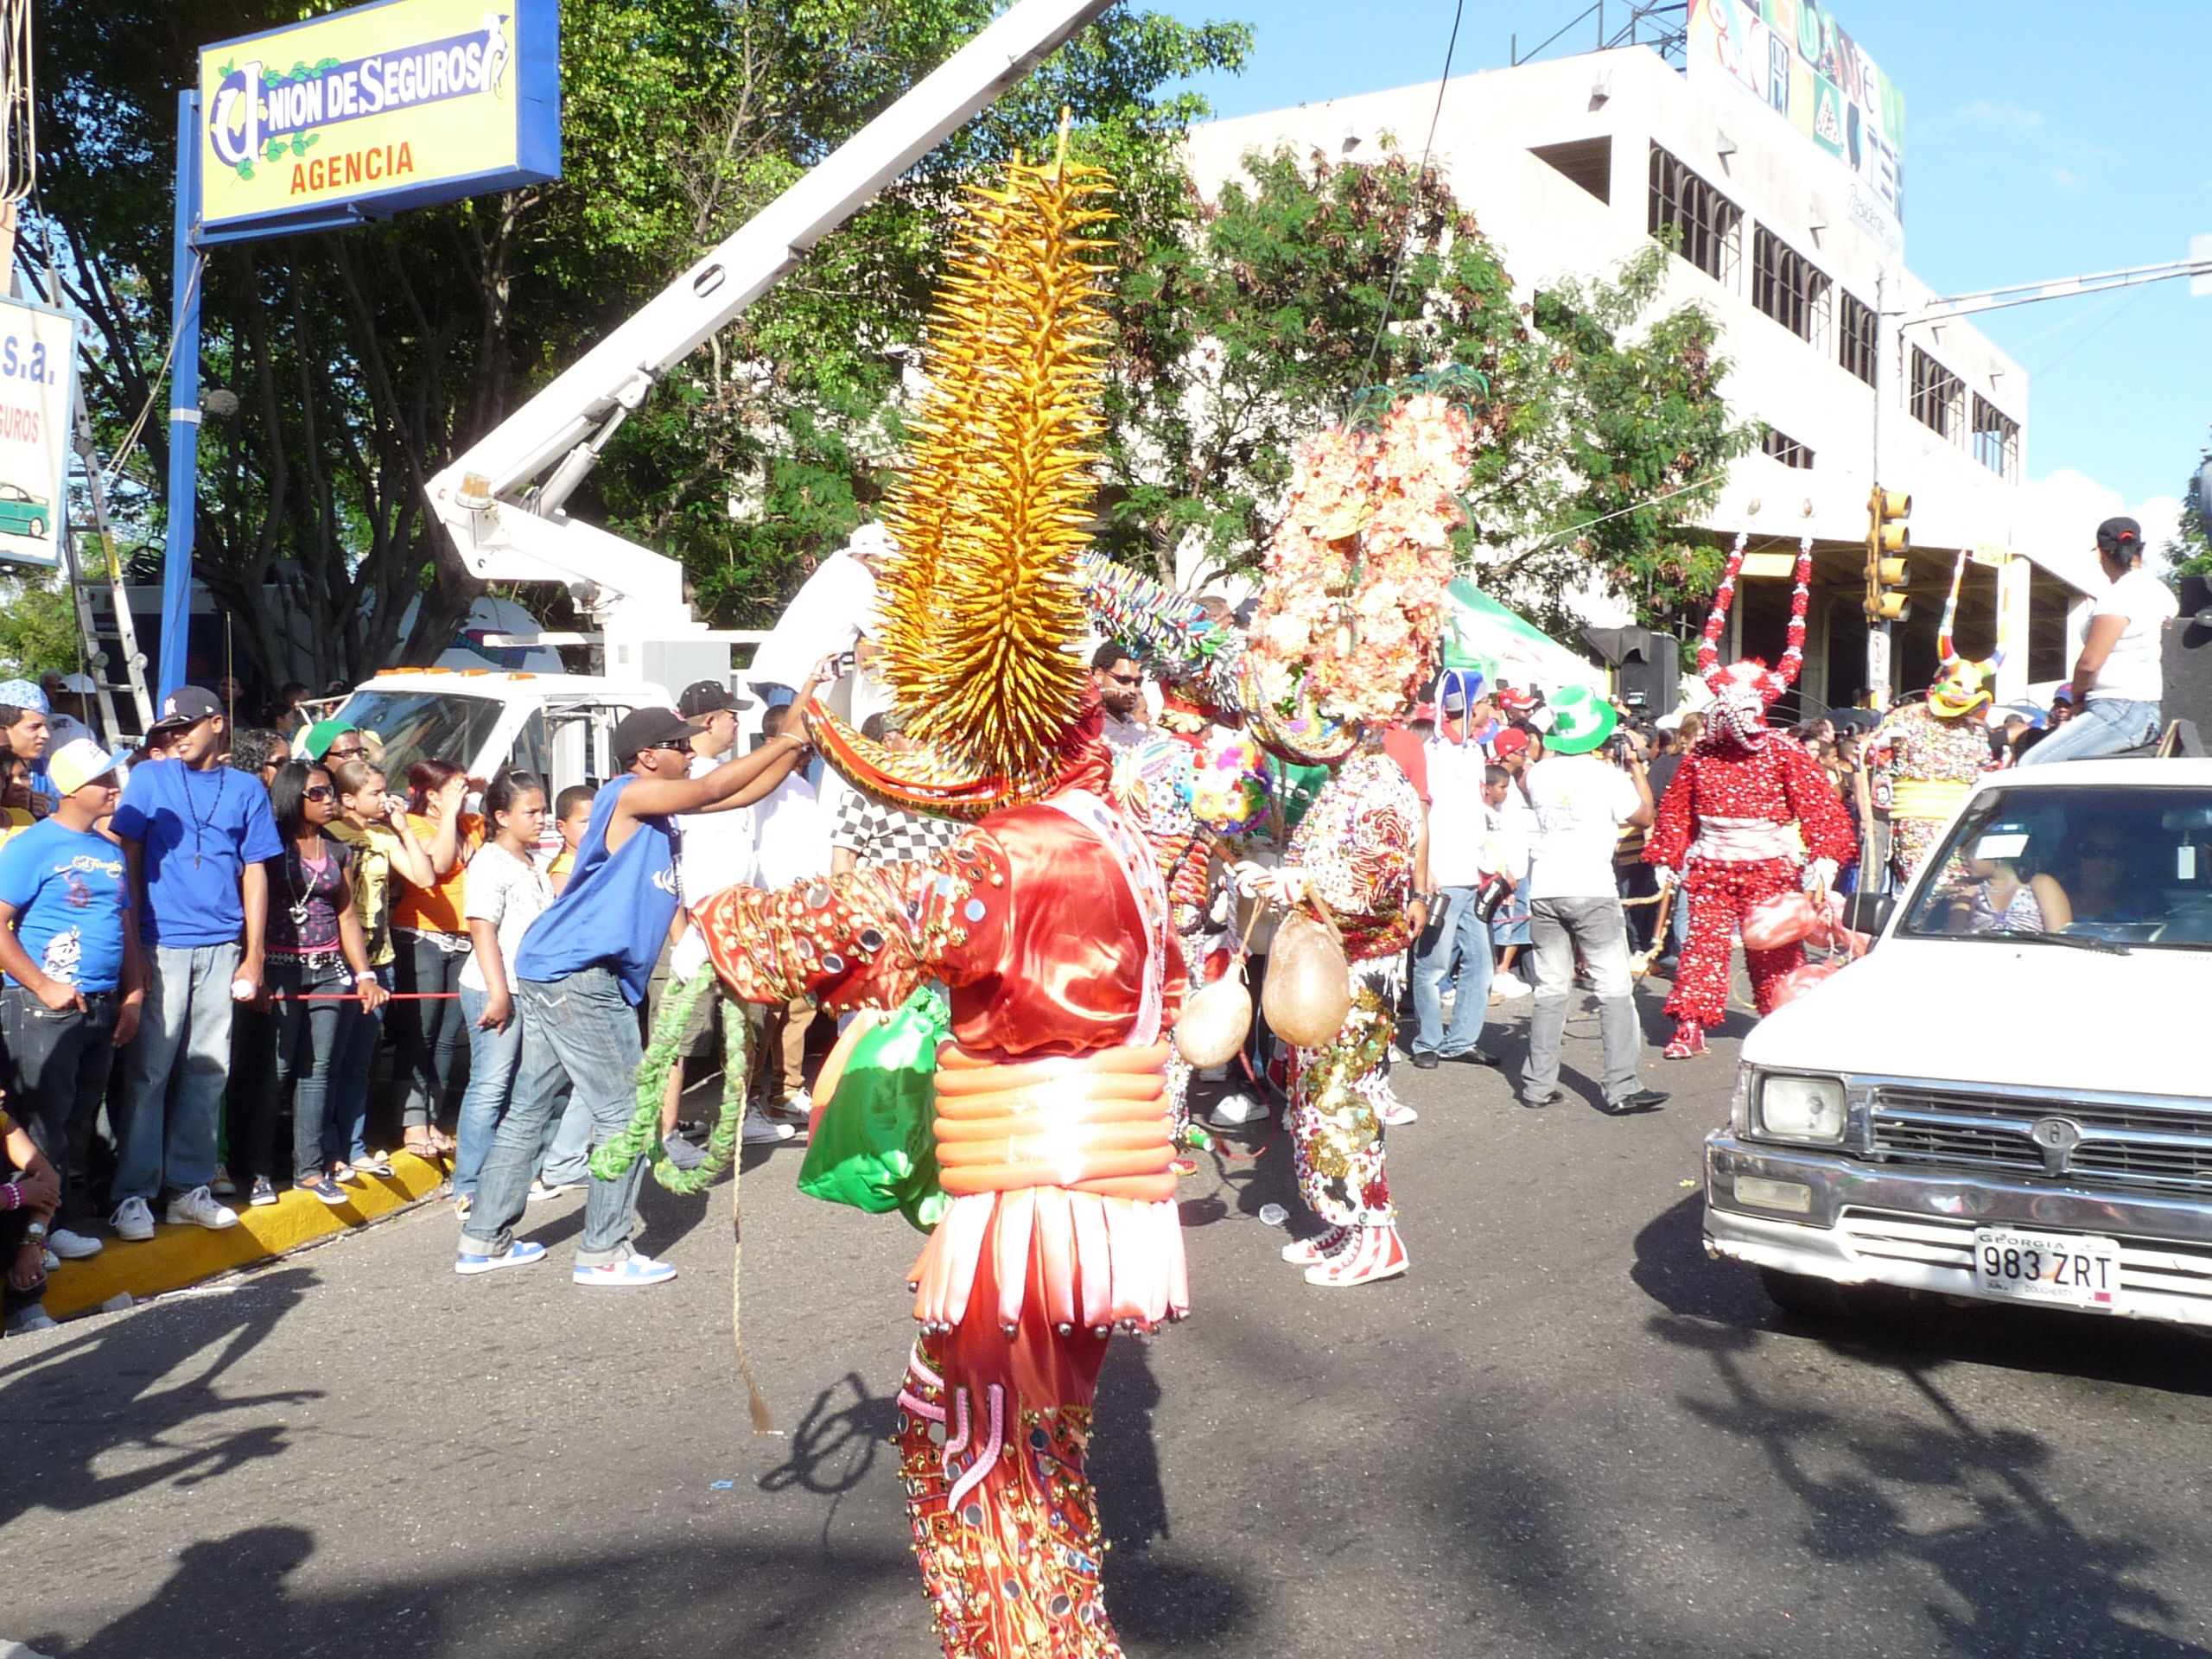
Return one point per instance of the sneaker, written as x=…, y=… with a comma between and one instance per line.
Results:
x=629, y=1273
x=1424, y=1059
x=797, y=1108
x=1471, y=1057
x=1511, y=987
x=1688, y=1041
x=1394, y=1112
x=1305, y=1252
x=326, y=1189
x=520, y=1254
x=1376, y=1252
x=71, y=1246
x=1398, y=1056
x=1235, y=1110
x=223, y=1186
x=264, y=1192
x=682, y=1153
x=133, y=1221
x=1643, y=1100
x=540, y=1191
x=25, y=1320
x=199, y=1208
x=760, y=1130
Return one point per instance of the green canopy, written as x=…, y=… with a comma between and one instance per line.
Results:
x=1509, y=650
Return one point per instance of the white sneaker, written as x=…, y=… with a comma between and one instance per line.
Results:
x=760, y=1129
x=202, y=1209
x=1394, y=1112
x=795, y=1108
x=24, y=1320
x=1511, y=987
x=1233, y=1110
x=133, y=1221
x=71, y=1246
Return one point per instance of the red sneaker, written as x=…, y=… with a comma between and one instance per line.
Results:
x=1305, y=1252
x=1376, y=1252
x=1689, y=1040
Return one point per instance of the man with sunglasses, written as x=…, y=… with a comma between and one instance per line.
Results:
x=333, y=743
x=1120, y=693
x=581, y=973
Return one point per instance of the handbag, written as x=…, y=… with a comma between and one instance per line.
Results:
x=873, y=1145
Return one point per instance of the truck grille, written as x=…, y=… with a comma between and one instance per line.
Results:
x=2142, y=1148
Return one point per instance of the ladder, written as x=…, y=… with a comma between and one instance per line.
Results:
x=123, y=634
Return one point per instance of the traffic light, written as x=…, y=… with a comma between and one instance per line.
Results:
x=1887, y=540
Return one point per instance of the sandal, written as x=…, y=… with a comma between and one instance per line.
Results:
x=371, y=1163
x=446, y=1144
x=422, y=1145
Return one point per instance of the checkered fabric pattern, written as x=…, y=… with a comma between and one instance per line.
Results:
x=888, y=835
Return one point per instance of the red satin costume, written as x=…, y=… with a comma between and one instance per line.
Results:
x=1055, y=947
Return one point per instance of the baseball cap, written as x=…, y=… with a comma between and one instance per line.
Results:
x=324, y=732
x=650, y=728
x=2121, y=537
x=703, y=697
x=1515, y=700
x=186, y=706
x=24, y=694
x=79, y=762
x=1511, y=740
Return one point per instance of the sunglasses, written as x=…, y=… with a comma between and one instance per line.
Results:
x=677, y=745
x=318, y=792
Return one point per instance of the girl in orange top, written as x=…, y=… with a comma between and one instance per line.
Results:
x=430, y=1037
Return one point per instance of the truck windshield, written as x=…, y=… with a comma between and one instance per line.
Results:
x=2129, y=867
x=423, y=726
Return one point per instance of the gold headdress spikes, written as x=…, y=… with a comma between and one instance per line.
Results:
x=980, y=603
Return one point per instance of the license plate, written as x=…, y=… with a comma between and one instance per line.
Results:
x=2066, y=1268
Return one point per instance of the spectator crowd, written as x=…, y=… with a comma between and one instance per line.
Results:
x=239, y=963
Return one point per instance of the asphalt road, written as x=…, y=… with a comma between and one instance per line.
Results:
x=1564, y=1432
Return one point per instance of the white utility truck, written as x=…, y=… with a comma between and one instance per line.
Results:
x=2004, y=1099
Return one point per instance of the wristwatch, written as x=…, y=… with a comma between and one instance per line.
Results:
x=35, y=1232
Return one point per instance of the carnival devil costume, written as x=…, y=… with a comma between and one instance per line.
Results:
x=1926, y=756
x=1747, y=811
x=1047, y=923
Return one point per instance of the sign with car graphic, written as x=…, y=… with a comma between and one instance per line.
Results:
x=38, y=367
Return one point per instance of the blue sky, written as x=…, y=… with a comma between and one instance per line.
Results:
x=2042, y=140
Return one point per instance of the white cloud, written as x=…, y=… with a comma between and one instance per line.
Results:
x=2067, y=179
x=1983, y=115
x=2062, y=512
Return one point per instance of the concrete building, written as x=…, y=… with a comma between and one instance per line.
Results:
x=1570, y=164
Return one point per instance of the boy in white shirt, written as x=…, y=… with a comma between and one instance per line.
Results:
x=2119, y=676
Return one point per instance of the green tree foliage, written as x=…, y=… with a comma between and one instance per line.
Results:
x=38, y=629
x=363, y=360
x=1251, y=320
x=2190, y=551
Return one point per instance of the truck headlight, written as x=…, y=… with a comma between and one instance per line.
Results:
x=1802, y=1108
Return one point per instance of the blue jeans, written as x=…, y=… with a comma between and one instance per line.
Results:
x=492, y=1057
x=1456, y=946
x=345, y=1116
x=307, y=1049
x=583, y=1030
x=2107, y=725
x=167, y=1139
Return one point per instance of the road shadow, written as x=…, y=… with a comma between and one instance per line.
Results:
x=834, y=1445
x=2033, y=1581
x=137, y=1402
x=1906, y=1329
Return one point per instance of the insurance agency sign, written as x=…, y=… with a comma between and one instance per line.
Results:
x=367, y=111
x=38, y=350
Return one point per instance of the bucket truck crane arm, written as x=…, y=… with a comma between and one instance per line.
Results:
x=501, y=499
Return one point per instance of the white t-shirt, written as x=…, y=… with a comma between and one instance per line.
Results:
x=791, y=840
x=2135, y=671
x=828, y=615
x=1580, y=804
x=509, y=893
x=718, y=846
x=1456, y=830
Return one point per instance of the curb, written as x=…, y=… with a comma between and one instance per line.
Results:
x=177, y=1256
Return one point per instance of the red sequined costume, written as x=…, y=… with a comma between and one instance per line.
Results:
x=1048, y=924
x=1745, y=810
x=1356, y=845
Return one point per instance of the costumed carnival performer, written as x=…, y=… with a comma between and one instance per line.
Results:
x=1748, y=815
x=1048, y=923
x=1344, y=638
x=1926, y=756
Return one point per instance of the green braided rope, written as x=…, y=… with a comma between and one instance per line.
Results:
x=642, y=1138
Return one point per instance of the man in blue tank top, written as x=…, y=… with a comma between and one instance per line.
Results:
x=580, y=972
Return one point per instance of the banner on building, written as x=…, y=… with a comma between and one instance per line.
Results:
x=38, y=370
x=1795, y=58
x=367, y=111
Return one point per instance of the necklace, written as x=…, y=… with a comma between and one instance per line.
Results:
x=299, y=906
x=199, y=824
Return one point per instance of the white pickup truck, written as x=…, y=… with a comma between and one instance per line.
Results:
x=2004, y=1099
x=556, y=725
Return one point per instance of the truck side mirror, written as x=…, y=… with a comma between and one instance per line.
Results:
x=1869, y=912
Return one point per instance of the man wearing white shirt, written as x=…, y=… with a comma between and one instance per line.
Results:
x=791, y=844
x=2118, y=678
x=1456, y=943
x=1581, y=801
x=826, y=617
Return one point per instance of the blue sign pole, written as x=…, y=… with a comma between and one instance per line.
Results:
x=184, y=406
